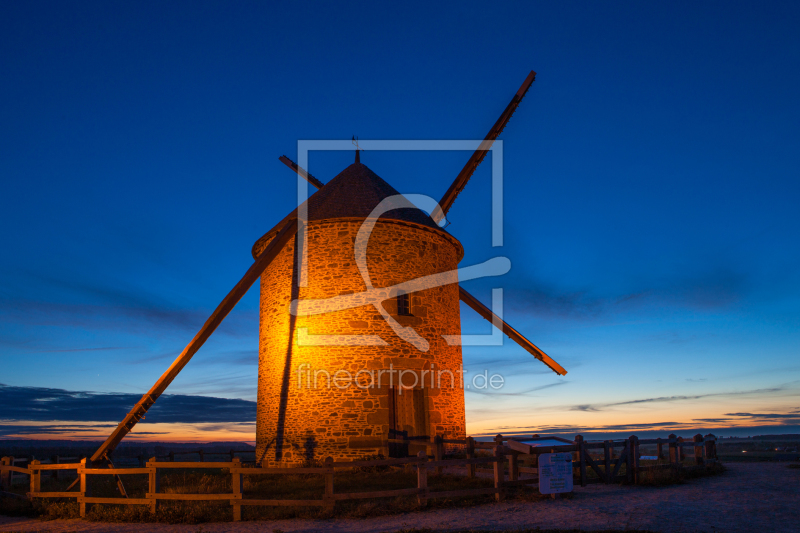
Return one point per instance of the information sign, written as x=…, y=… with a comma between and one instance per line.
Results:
x=555, y=473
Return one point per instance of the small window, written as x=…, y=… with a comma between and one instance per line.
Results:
x=403, y=306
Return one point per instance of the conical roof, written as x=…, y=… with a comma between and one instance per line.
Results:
x=354, y=192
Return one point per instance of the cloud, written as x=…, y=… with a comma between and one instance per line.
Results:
x=699, y=425
x=779, y=418
x=711, y=288
x=675, y=337
x=514, y=365
x=168, y=356
x=547, y=300
x=93, y=303
x=656, y=429
x=241, y=357
x=239, y=383
x=718, y=287
x=494, y=392
x=232, y=357
x=100, y=349
x=568, y=429
x=10, y=430
x=665, y=399
x=67, y=430
x=43, y=404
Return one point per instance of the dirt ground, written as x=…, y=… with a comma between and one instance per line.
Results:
x=763, y=497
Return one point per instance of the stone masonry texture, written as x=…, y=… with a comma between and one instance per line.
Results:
x=299, y=422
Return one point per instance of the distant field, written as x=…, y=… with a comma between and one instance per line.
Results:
x=783, y=449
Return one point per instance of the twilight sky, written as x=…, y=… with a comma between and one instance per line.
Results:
x=651, y=199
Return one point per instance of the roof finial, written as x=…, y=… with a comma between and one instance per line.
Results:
x=355, y=142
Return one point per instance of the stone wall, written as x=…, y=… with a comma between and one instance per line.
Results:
x=297, y=421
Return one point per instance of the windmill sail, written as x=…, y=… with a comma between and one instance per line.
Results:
x=301, y=172
x=475, y=159
x=216, y=318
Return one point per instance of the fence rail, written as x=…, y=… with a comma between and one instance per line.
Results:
x=503, y=450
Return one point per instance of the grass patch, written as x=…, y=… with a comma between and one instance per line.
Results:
x=269, y=487
x=672, y=476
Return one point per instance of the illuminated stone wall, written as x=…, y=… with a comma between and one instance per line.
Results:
x=296, y=422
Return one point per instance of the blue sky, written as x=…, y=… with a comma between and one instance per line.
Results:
x=651, y=194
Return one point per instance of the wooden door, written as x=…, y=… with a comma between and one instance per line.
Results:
x=407, y=411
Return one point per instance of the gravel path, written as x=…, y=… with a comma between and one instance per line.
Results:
x=763, y=497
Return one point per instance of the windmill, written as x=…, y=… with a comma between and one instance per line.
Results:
x=296, y=421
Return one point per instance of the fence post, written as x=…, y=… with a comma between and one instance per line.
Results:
x=36, y=478
x=660, y=453
x=674, y=457
x=10, y=476
x=698, y=449
x=498, y=473
x=513, y=467
x=84, y=487
x=5, y=475
x=422, y=479
x=607, y=461
x=438, y=450
x=10, y=473
x=629, y=459
x=155, y=484
x=710, y=446
x=470, y=455
x=236, y=484
x=581, y=447
x=329, y=501
x=634, y=458
x=681, y=452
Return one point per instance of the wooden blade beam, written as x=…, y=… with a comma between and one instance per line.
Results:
x=513, y=334
x=301, y=172
x=219, y=314
x=466, y=173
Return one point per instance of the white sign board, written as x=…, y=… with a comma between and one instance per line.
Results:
x=555, y=473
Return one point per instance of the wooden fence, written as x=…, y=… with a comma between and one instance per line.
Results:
x=503, y=450
x=607, y=468
x=25, y=461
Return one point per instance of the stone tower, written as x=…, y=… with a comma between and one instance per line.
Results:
x=340, y=396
